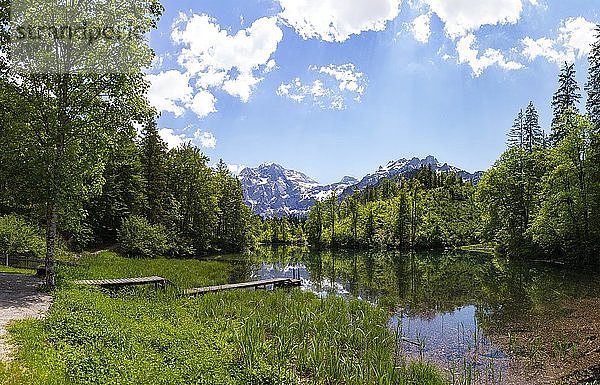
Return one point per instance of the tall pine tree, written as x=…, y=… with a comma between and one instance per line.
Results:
x=593, y=85
x=516, y=135
x=532, y=132
x=564, y=103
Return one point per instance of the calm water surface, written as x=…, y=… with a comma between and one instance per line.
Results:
x=446, y=306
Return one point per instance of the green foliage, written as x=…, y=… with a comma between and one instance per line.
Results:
x=507, y=198
x=154, y=164
x=283, y=231
x=566, y=224
x=122, y=192
x=564, y=102
x=544, y=201
x=432, y=210
x=18, y=238
x=592, y=87
x=138, y=238
x=233, y=215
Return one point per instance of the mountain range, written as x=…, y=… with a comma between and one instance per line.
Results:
x=273, y=191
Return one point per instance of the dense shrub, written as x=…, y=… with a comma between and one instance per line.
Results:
x=138, y=238
x=18, y=238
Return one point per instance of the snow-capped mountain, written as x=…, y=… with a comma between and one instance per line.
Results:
x=407, y=168
x=271, y=190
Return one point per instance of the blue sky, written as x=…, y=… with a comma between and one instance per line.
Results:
x=339, y=87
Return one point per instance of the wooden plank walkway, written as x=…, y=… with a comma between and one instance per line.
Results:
x=276, y=282
x=157, y=281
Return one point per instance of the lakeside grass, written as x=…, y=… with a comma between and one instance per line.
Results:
x=142, y=336
x=185, y=273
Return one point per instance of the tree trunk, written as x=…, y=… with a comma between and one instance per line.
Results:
x=51, y=224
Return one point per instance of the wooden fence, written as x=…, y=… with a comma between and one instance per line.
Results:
x=26, y=262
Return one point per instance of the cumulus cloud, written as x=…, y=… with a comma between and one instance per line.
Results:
x=242, y=86
x=461, y=17
x=200, y=138
x=468, y=53
x=223, y=61
x=338, y=20
x=203, y=104
x=170, y=91
x=172, y=139
x=421, y=29
x=330, y=87
x=574, y=40
x=205, y=139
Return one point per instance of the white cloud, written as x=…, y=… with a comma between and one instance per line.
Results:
x=172, y=139
x=574, y=40
x=463, y=16
x=470, y=55
x=210, y=79
x=340, y=84
x=205, y=139
x=169, y=91
x=421, y=29
x=224, y=61
x=201, y=138
x=271, y=65
x=203, y=104
x=337, y=20
x=241, y=86
x=235, y=169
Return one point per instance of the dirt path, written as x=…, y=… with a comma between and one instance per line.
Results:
x=19, y=299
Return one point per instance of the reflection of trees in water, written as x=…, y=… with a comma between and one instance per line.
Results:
x=427, y=283
x=314, y=265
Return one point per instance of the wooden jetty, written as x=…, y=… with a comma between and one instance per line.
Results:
x=275, y=282
x=122, y=282
x=162, y=282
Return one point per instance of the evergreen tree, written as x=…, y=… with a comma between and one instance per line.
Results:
x=593, y=84
x=516, y=135
x=332, y=204
x=353, y=205
x=314, y=224
x=233, y=214
x=154, y=163
x=565, y=101
x=532, y=132
x=402, y=220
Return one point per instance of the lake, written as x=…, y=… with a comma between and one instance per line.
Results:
x=446, y=307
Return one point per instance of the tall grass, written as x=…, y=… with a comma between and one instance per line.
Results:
x=240, y=337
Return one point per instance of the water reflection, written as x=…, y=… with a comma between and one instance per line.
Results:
x=449, y=304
